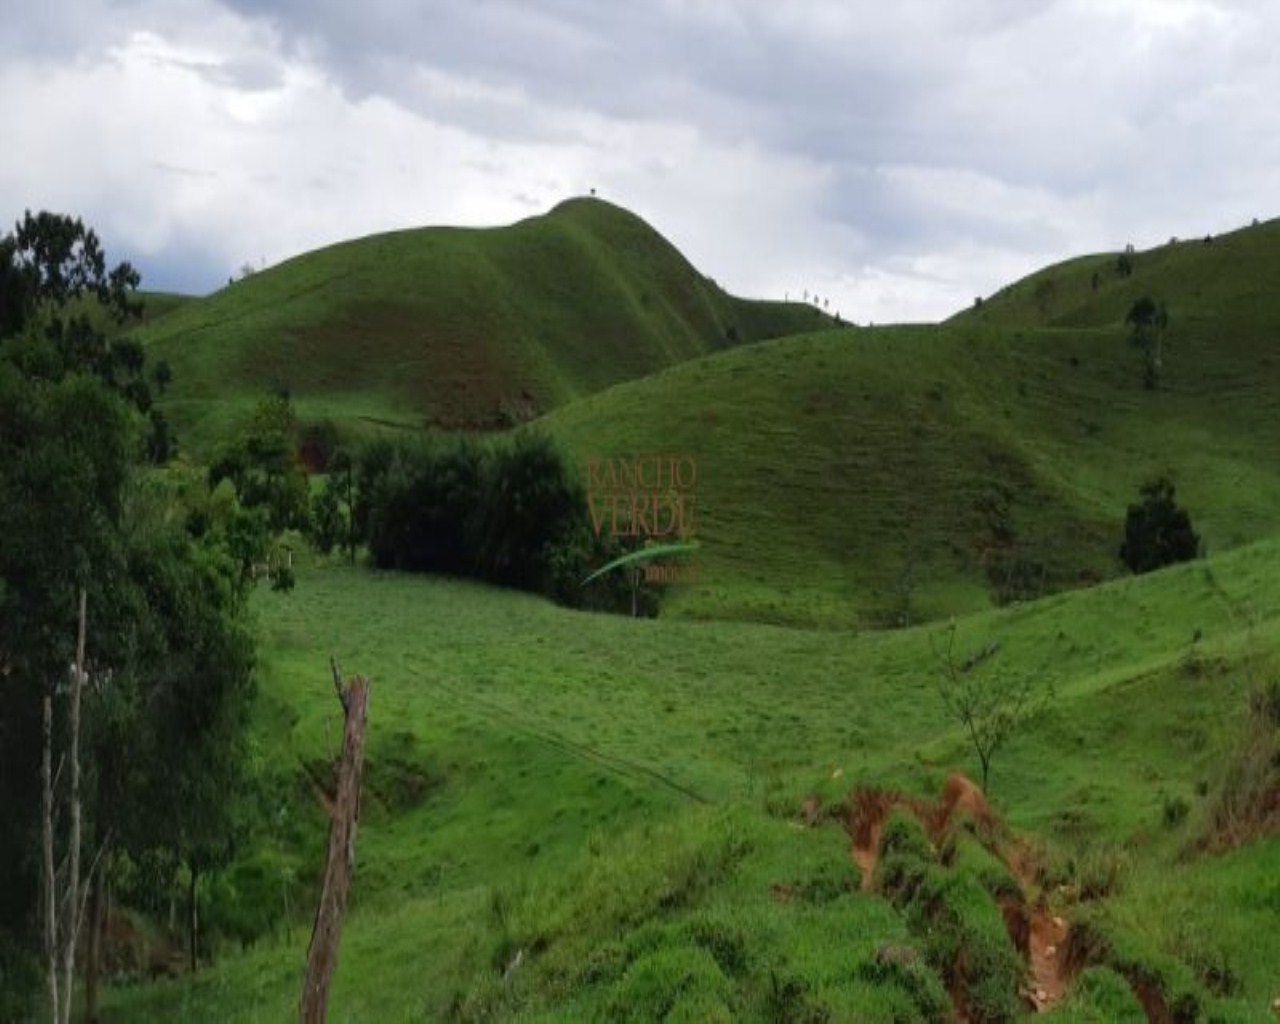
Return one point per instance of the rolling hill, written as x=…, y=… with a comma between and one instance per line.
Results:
x=459, y=328
x=877, y=476
x=855, y=477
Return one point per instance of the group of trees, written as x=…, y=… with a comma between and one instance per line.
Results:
x=506, y=510
x=57, y=301
x=125, y=661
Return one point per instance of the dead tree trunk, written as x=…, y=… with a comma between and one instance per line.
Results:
x=322, y=954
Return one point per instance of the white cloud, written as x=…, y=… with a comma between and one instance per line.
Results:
x=898, y=161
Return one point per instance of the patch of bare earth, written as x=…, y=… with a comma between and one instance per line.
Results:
x=1038, y=934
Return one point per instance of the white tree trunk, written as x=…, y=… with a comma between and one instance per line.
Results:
x=72, y=924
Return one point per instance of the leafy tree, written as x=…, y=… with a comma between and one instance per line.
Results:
x=1156, y=531
x=528, y=500
x=989, y=706
x=332, y=519
x=55, y=293
x=1148, y=320
x=509, y=511
x=264, y=467
x=328, y=525
x=167, y=654
x=63, y=466
x=422, y=509
x=52, y=273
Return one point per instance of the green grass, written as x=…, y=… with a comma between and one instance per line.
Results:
x=470, y=328
x=848, y=477
x=614, y=797
x=868, y=477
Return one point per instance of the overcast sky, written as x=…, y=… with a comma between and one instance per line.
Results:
x=897, y=159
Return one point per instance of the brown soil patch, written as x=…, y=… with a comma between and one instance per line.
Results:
x=1047, y=957
x=865, y=812
x=867, y=856
x=1040, y=936
x=961, y=794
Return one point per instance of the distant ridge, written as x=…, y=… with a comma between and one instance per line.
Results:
x=470, y=328
x=891, y=475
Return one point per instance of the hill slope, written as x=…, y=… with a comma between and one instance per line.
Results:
x=878, y=475
x=532, y=780
x=455, y=327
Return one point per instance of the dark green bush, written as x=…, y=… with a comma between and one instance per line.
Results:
x=1157, y=532
x=1175, y=811
x=508, y=511
x=421, y=507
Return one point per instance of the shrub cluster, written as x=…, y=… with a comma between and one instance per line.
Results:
x=506, y=510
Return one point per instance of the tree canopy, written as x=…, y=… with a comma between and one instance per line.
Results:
x=1156, y=531
x=168, y=655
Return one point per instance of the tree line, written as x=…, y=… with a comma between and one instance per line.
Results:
x=126, y=660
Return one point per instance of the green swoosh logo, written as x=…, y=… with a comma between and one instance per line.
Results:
x=643, y=555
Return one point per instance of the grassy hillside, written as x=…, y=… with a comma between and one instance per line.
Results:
x=871, y=476
x=617, y=802
x=1223, y=282
x=454, y=327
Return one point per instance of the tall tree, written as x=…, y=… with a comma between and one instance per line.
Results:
x=1149, y=320
x=168, y=658
x=264, y=467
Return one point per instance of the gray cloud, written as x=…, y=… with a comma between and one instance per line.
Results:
x=906, y=156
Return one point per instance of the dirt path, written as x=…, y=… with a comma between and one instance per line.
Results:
x=1047, y=959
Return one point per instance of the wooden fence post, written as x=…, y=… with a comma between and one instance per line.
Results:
x=322, y=954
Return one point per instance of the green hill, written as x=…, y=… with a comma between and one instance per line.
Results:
x=454, y=327
x=869, y=476
x=583, y=795
x=1222, y=285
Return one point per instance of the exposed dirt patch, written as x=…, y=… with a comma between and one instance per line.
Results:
x=961, y=795
x=1039, y=935
x=1047, y=958
x=864, y=816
